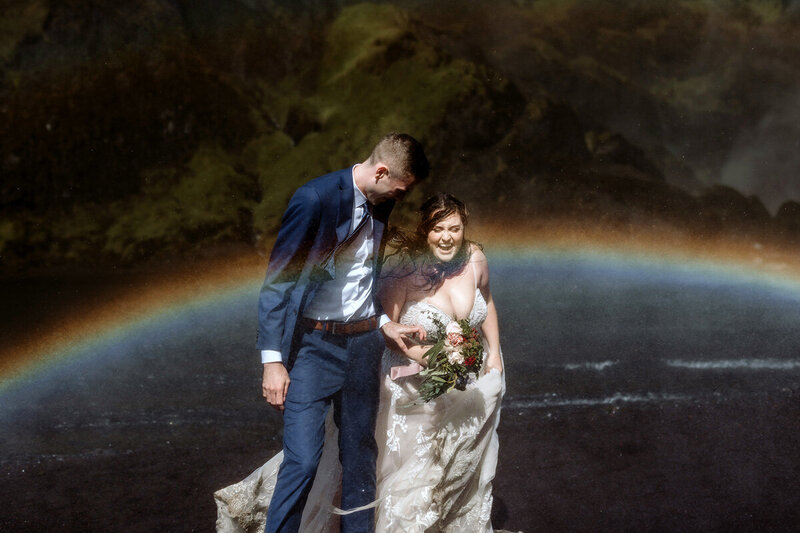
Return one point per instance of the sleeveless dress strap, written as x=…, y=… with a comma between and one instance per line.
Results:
x=474, y=275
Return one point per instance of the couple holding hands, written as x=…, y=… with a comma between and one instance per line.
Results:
x=343, y=338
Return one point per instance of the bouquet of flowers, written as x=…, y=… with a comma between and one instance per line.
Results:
x=454, y=359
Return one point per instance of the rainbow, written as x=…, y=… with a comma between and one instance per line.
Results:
x=164, y=298
x=742, y=263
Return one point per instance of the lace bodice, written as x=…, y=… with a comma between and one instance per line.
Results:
x=423, y=313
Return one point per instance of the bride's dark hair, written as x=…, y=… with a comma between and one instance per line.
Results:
x=413, y=250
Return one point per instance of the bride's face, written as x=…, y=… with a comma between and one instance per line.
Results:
x=446, y=237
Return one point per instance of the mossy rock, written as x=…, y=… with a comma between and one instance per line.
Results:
x=209, y=201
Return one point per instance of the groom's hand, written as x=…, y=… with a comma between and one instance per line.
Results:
x=274, y=384
x=395, y=334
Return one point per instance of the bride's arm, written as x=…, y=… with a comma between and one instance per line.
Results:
x=392, y=293
x=417, y=353
x=490, y=328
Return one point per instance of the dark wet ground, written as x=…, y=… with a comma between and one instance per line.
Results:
x=636, y=402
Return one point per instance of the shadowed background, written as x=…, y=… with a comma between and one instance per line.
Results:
x=148, y=149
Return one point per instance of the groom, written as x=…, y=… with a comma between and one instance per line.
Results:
x=321, y=333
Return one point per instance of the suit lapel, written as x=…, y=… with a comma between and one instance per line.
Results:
x=345, y=215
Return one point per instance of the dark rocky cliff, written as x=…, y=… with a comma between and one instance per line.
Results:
x=131, y=130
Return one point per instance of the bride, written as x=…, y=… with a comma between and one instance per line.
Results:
x=436, y=460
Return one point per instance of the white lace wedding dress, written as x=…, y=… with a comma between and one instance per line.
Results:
x=436, y=460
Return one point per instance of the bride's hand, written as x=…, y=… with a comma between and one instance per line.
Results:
x=493, y=362
x=395, y=334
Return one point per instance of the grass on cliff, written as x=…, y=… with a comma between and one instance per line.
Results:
x=208, y=201
x=376, y=76
x=378, y=70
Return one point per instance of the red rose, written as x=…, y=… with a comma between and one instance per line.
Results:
x=455, y=339
x=469, y=361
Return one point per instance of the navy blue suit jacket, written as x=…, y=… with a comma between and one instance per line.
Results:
x=316, y=221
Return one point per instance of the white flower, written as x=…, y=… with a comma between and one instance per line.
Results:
x=455, y=357
x=453, y=327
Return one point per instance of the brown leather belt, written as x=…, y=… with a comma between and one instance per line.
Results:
x=342, y=328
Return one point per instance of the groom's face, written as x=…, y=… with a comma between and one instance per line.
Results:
x=387, y=187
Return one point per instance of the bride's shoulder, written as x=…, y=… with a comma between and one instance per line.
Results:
x=476, y=250
x=476, y=255
x=480, y=263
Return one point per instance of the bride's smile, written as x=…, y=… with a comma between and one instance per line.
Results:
x=446, y=237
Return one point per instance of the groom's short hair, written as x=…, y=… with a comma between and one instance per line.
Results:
x=403, y=153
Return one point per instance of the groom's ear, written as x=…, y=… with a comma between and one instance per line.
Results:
x=381, y=171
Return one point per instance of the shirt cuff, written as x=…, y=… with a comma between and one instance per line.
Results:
x=271, y=356
x=383, y=320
